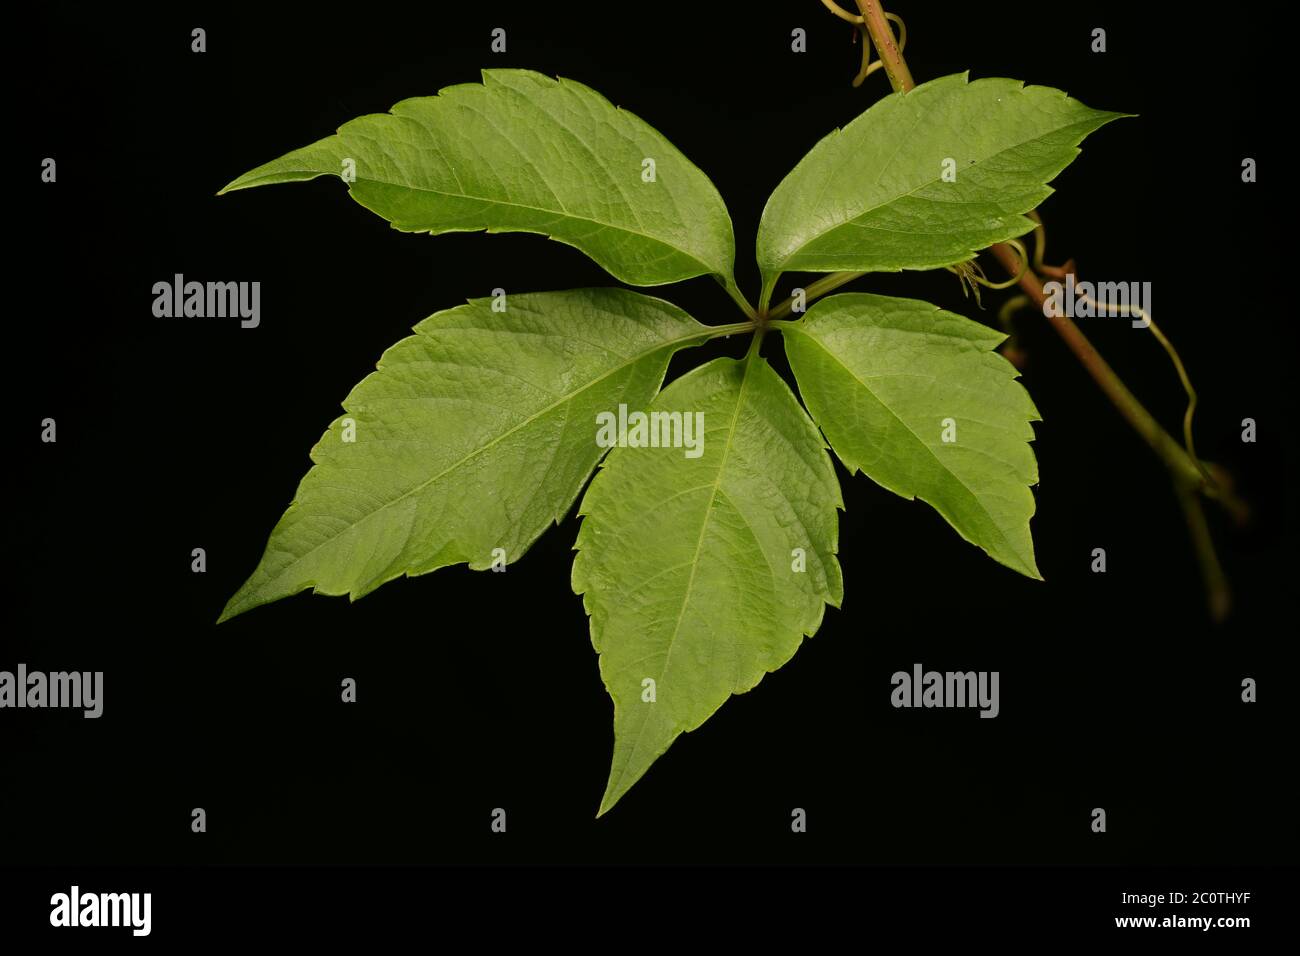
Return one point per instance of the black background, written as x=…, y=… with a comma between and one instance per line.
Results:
x=482, y=690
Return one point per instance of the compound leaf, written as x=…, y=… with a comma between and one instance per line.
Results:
x=522, y=152
x=914, y=397
x=701, y=574
x=874, y=197
x=474, y=435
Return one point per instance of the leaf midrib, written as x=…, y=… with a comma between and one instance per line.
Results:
x=785, y=262
x=514, y=205
x=885, y=405
x=703, y=333
x=695, y=561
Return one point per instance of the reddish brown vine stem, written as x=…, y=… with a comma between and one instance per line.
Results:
x=882, y=35
x=1161, y=442
x=1189, y=480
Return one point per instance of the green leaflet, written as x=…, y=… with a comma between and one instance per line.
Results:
x=474, y=434
x=686, y=566
x=884, y=377
x=526, y=153
x=871, y=197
